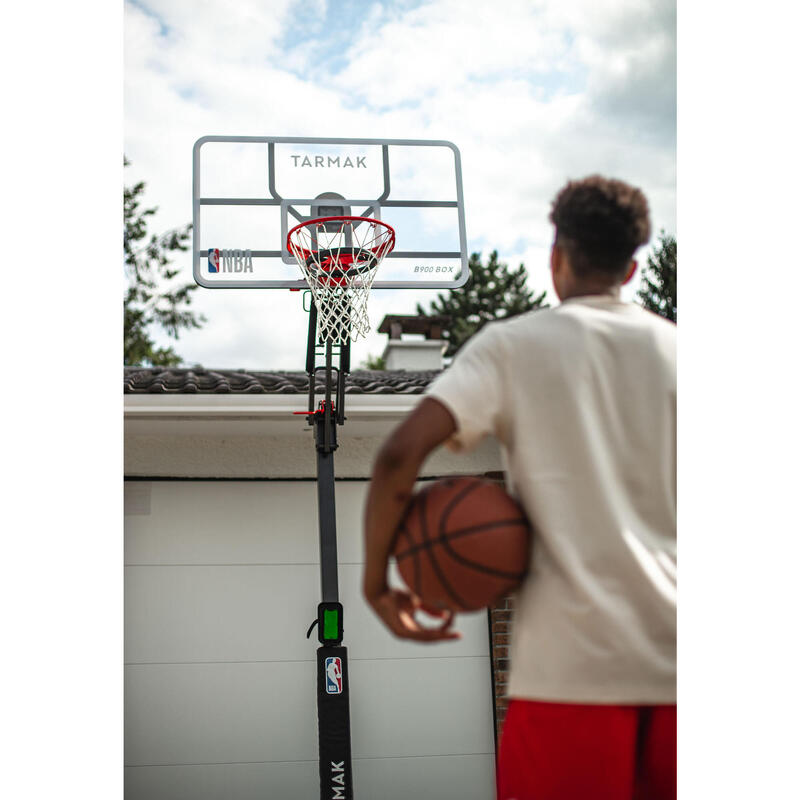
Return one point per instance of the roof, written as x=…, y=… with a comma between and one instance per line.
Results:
x=397, y=324
x=197, y=380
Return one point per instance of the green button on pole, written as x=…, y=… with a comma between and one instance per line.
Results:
x=330, y=623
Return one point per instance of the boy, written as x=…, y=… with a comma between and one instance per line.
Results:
x=582, y=400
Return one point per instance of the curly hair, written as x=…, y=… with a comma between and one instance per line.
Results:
x=600, y=222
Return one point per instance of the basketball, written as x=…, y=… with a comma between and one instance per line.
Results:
x=463, y=544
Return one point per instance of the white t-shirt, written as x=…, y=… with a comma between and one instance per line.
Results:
x=582, y=400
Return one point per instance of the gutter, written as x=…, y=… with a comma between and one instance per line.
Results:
x=258, y=406
x=227, y=415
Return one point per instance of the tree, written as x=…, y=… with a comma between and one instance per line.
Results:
x=375, y=363
x=493, y=292
x=152, y=297
x=658, y=290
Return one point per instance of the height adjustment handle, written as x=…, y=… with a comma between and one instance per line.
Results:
x=320, y=410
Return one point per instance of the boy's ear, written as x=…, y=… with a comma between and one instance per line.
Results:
x=631, y=272
x=556, y=257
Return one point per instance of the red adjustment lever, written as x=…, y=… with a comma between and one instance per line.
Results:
x=320, y=410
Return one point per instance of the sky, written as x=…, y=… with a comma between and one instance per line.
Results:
x=544, y=92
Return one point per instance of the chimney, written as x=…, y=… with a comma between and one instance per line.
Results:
x=414, y=354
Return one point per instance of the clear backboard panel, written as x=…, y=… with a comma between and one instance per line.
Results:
x=249, y=191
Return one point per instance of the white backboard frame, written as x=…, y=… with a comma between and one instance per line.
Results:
x=430, y=262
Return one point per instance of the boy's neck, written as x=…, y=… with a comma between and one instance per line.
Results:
x=590, y=288
x=591, y=284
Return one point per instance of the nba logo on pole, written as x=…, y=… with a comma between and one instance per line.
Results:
x=213, y=260
x=333, y=675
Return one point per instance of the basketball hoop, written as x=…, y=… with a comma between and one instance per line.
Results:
x=339, y=257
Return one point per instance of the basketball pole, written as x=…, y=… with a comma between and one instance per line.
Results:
x=333, y=695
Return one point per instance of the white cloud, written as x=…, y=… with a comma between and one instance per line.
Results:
x=443, y=46
x=225, y=32
x=537, y=94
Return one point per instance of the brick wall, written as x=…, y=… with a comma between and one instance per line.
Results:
x=500, y=635
x=500, y=632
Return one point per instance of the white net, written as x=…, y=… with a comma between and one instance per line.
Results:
x=339, y=257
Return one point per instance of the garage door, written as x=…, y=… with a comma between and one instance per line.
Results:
x=221, y=585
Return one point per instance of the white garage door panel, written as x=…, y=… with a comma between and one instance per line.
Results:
x=223, y=613
x=373, y=779
x=451, y=778
x=421, y=707
x=260, y=613
x=283, y=781
x=223, y=713
x=220, y=713
x=231, y=522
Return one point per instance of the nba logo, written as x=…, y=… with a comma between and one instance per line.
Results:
x=333, y=675
x=213, y=260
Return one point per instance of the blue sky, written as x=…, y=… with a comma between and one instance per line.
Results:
x=544, y=91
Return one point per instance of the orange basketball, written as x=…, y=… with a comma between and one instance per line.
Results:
x=463, y=544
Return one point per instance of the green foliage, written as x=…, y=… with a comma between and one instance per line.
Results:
x=374, y=362
x=659, y=288
x=152, y=296
x=493, y=292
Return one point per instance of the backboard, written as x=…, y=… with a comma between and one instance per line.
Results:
x=249, y=191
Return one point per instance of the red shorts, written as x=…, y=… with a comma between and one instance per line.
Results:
x=567, y=751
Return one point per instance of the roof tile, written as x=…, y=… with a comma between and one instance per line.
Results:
x=197, y=380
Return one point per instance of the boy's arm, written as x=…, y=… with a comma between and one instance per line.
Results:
x=393, y=477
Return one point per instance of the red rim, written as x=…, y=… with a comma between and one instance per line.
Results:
x=383, y=247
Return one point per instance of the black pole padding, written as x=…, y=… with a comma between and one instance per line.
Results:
x=333, y=711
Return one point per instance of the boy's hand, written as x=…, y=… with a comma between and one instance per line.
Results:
x=397, y=611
